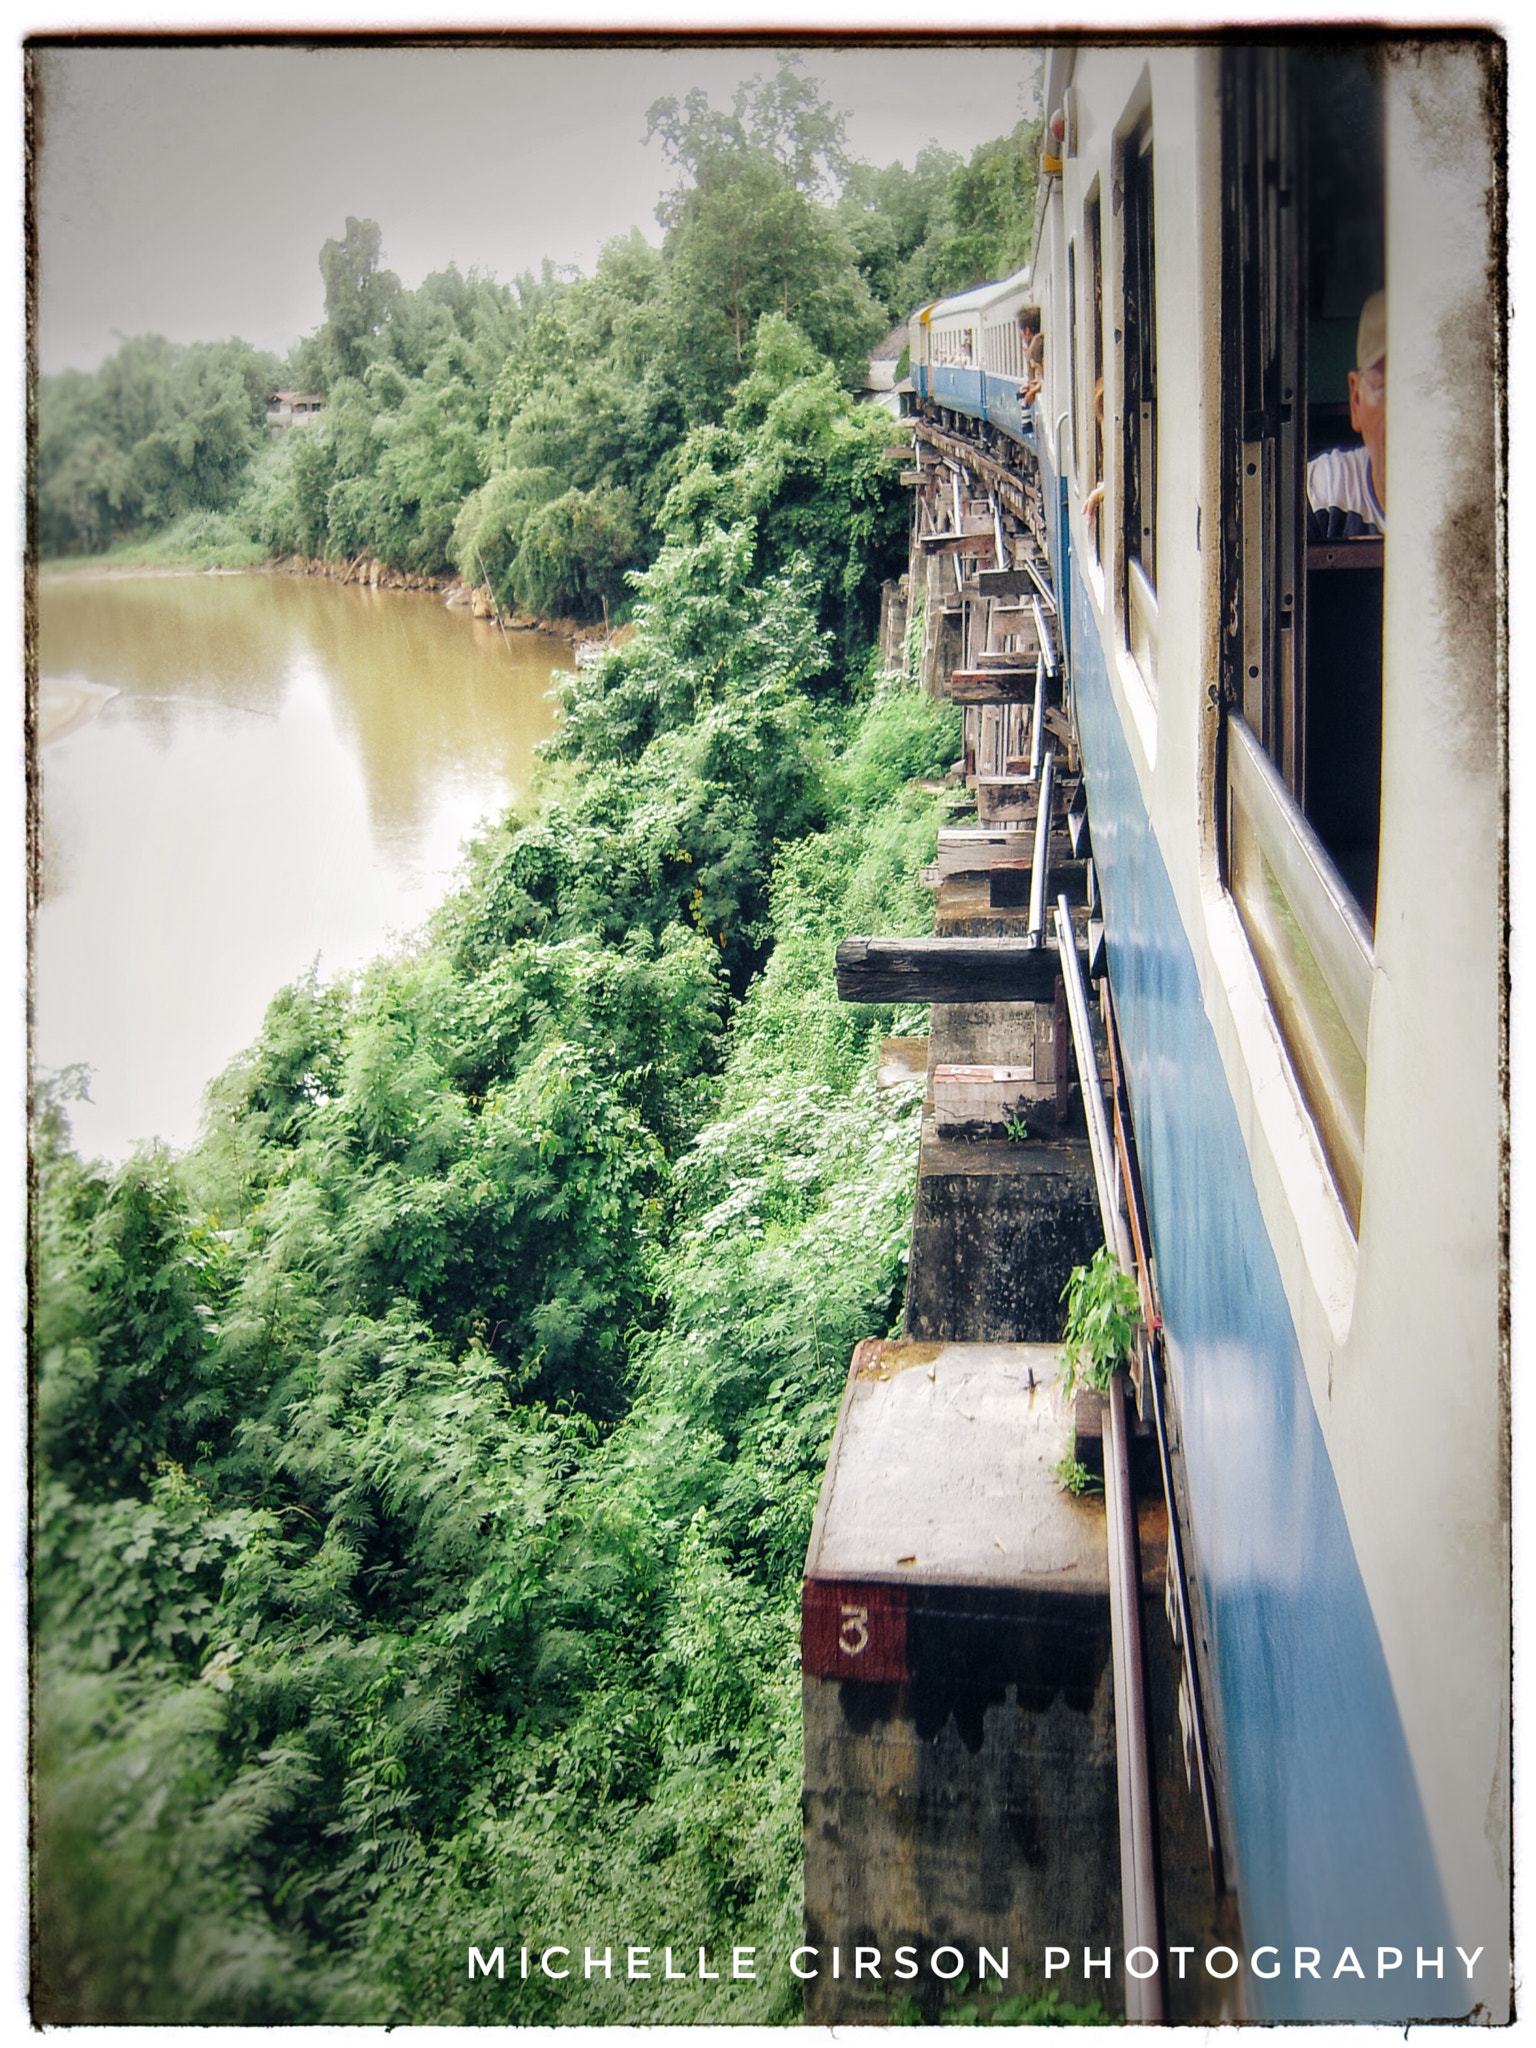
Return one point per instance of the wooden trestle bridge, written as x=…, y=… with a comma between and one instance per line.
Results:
x=1004, y=1748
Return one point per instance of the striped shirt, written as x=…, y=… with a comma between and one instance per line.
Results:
x=1341, y=503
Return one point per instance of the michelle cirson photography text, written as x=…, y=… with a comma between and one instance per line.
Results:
x=949, y=1964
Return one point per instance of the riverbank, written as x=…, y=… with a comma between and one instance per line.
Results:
x=366, y=572
x=63, y=706
x=371, y=574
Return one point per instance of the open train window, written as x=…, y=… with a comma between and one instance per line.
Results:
x=1303, y=541
x=1029, y=350
x=1138, y=459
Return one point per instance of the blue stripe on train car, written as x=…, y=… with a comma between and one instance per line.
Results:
x=957, y=387
x=1004, y=406
x=1331, y=1846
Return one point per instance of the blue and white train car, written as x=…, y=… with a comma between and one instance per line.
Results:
x=1292, y=747
x=967, y=353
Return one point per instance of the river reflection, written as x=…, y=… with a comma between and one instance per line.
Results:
x=287, y=769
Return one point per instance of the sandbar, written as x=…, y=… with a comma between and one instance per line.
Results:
x=65, y=704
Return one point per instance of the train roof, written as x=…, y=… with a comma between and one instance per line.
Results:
x=977, y=298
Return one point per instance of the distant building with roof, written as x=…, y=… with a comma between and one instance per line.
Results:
x=881, y=386
x=293, y=409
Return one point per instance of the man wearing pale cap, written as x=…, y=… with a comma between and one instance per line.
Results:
x=1347, y=487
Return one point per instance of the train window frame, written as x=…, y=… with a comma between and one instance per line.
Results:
x=1094, y=425
x=1310, y=940
x=1135, y=206
x=1075, y=343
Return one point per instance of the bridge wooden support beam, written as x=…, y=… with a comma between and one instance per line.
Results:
x=993, y=685
x=1005, y=483
x=1005, y=583
x=942, y=970
x=955, y=544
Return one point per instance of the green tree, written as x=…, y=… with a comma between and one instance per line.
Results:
x=890, y=213
x=747, y=236
x=426, y=1462
x=757, y=244
x=488, y=531
x=807, y=468
x=430, y=456
x=983, y=228
x=992, y=203
x=360, y=297
x=782, y=121
x=285, y=498
x=157, y=431
x=575, y=551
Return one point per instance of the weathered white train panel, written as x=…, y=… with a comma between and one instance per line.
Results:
x=1354, y=1373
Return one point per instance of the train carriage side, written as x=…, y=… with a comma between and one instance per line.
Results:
x=967, y=354
x=1004, y=368
x=1319, y=1128
x=954, y=351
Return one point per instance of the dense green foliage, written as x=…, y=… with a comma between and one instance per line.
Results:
x=425, y=1462
x=528, y=436
x=156, y=432
x=945, y=224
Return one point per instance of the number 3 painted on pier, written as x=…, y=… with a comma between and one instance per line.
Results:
x=853, y=1637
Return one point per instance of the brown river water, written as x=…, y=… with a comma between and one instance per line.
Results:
x=241, y=775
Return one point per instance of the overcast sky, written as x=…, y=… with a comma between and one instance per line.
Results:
x=186, y=190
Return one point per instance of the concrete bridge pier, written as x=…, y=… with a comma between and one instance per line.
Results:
x=960, y=1792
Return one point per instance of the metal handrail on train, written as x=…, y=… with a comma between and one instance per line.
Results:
x=1047, y=593
x=1041, y=864
x=1047, y=638
x=1140, y=1906
x=1115, y=1234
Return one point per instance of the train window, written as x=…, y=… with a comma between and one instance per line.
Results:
x=1094, y=503
x=1029, y=348
x=1345, y=264
x=1303, y=537
x=1138, y=458
x=1001, y=343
